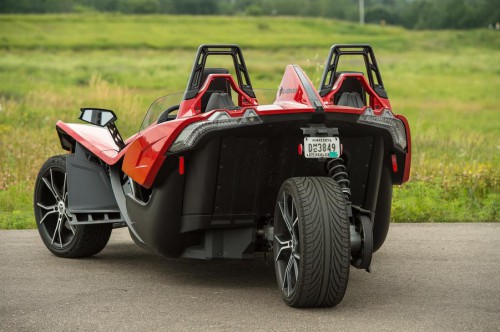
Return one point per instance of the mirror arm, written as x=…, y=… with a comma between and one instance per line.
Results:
x=115, y=134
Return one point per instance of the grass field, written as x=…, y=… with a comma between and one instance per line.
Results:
x=447, y=84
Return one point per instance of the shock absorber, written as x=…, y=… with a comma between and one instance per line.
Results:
x=337, y=170
x=361, y=228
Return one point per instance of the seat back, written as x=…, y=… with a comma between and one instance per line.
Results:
x=351, y=86
x=220, y=100
x=351, y=99
x=219, y=85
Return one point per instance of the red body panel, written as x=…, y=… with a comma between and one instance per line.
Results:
x=406, y=175
x=96, y=139
x=291, y=93
x=146, y=153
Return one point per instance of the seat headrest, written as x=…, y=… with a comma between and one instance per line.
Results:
x=217, y=84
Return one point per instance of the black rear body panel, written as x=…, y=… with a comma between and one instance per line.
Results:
x=232, y=178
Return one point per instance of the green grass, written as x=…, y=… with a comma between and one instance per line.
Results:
x=445, y=82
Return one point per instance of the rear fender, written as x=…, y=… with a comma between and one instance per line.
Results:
x=95, y=139
x=406, y=164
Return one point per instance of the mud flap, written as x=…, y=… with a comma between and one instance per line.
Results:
x=89, y=188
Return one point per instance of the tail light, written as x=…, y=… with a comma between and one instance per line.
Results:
x=219, y=120
x=387, y=121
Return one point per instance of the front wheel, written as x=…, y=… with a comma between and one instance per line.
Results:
x=52, y=215
x=311, y=242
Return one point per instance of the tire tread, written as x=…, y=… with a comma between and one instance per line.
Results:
x=325, y=234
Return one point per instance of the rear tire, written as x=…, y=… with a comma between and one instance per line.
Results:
x=311, y=242
x=51, y=214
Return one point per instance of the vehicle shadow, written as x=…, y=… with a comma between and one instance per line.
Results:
x=257, y=272
x=364, y=289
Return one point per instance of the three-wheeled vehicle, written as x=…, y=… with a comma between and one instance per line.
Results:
x=214, y=174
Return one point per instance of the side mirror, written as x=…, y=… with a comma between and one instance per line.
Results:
x=97, y=116
x=103, y=118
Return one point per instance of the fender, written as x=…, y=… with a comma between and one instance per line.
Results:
x=95, y=139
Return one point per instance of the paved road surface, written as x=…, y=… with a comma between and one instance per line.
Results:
x=426, y=277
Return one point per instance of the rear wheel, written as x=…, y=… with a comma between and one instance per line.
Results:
x=52, y=215
x=311, y=242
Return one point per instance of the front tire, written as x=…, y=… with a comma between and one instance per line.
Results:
x=52, y=215
x=311, y=242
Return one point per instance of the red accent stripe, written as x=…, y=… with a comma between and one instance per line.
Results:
x=181, y=165
x=394, y=163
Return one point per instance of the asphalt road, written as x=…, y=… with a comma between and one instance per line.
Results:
x=427, y=277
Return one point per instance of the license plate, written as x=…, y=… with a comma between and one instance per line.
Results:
x=321, y=147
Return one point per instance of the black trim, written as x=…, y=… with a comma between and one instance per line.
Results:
x=351, y=49
x=232, y=178
x=311, y=94
x=67, y=142
x=115, y=134
x=165, y=116
x=157, y=222
x=195, y=79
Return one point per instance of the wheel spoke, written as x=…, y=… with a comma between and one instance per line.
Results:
x=50, y=187
x=285, y=214
x=295, y=269
x=43, y=218
x=47, y=183
x=287, y=277
x=284, y=202
x=69, y=226
x=281, y=241
x=64, y=187
x=54, y=190
x=296, y=255
x=55, y=231
x=50, y=207
x=59, y=231
x=284, y=245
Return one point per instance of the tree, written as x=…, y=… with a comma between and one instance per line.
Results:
x=139, y=6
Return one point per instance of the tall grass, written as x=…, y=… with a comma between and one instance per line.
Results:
x=445, y=82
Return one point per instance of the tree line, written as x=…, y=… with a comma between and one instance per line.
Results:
x=412, y=14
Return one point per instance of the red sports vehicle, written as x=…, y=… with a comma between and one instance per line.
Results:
x=214, y=174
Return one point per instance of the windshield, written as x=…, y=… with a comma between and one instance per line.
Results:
x=166, y=105
x=159, y=106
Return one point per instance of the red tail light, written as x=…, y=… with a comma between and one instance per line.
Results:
x=181, y=165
